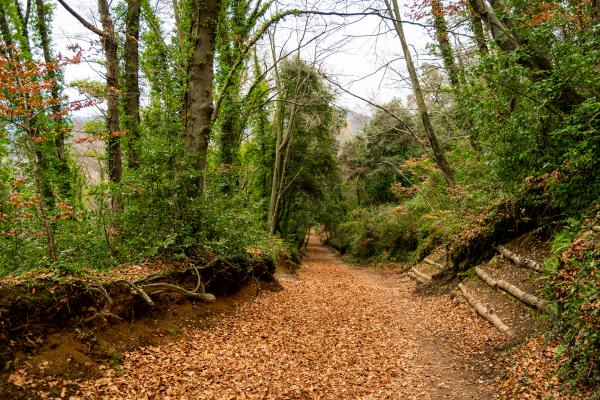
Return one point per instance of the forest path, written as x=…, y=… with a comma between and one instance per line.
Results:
x=335, y=332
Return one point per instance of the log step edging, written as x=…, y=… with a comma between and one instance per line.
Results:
x=429, y=261
x=418, y=275
x=483, y=311
x=519, y=260
x=527, y=298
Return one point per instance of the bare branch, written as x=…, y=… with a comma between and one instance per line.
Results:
x=83, y=21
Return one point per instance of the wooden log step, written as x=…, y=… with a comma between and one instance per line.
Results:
x=518, y=260
x=524, y=297
x=418, y=275
x=485, y=313
x=429, y=261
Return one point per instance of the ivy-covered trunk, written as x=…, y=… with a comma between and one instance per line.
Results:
x=441, y=34
x=478, y=33
x=109, y=43
x=132, y=88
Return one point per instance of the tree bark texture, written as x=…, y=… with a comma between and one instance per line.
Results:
x=518, y=260
x=477, y=28
x=5, y=30
x=109, y=43
x=198, y=103
x=132, y=87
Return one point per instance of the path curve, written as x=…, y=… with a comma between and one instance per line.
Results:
x=334, y=332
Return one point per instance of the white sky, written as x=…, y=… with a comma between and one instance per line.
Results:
x=358, y=53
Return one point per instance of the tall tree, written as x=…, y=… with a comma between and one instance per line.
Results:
x=14, y=24
x=236, y=25
x=110, y=46
x=43, y=17
x=438, y=154
x=441, y=33
x=198, y=102
x=132, y=88
x=595, y=11
x=477, y=28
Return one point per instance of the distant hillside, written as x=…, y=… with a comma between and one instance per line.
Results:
x=87, y=151
x=355, y=122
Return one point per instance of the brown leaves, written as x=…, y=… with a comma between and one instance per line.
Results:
x=531, y=373
x=334, y=333
x=17, y=378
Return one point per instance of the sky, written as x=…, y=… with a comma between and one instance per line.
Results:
x=353, y=51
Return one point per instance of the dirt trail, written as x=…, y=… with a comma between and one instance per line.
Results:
x=335, y=332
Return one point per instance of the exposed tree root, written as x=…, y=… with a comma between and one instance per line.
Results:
x=139, y=290
x=525, y=297
x=485, y=313
x=102, y=314
x=145, y=289
x=519, y=261
x=167, y=287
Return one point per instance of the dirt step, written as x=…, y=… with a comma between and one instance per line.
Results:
x=521, y=319
x=530, y=247
x=519, y=260
x=433, y=263
x=484, y=311
x=525, y=279
x=423, y=272
x=417, y=275
x=438, y=256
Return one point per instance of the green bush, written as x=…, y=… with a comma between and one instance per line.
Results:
x=576, y=286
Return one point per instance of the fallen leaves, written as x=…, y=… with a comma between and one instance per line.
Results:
x=334, y=332
x=531, y=374
x=17, y=378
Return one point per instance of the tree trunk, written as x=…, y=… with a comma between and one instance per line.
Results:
x=5, y=30
x=109, y=43
x=441, y=33
x=477, y=28
x=198, y=102
x=40, y=160
x=132, y=87
x=509, y=41
x=281, y=157
x=40, y=188
x=595, y=12
x=500, y=32
x=23, y=27
x=55, y=92
x=438, y=154
x=505, y=37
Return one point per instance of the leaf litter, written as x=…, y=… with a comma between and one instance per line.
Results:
x=334, y=332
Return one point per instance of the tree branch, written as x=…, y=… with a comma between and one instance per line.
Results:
x=83, y=21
